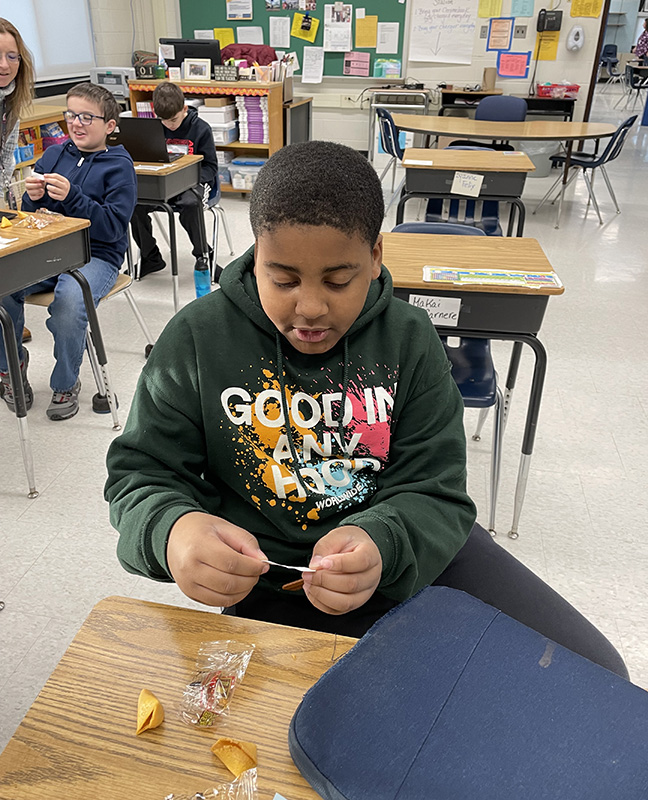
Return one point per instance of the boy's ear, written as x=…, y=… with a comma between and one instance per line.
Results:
x=110, y=126
x=377, y=257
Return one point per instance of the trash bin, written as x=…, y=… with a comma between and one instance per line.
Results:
x=539, y=153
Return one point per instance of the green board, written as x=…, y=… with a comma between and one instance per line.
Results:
x=204, y=14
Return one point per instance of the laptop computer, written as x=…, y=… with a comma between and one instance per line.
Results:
x=144, y=139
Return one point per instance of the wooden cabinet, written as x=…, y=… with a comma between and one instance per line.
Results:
x=143, y=90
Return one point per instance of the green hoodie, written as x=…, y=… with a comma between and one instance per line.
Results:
x=207, y=432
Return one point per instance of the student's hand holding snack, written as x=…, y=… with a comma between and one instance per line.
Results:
x=58, y=186
x=349, y=566
x=35, y=186
x=213, y=561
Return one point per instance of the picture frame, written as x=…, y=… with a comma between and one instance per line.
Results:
x=197, y=69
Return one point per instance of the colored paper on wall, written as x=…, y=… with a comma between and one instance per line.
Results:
x=225, y=36
x=299, y=29
x=366, y=31
x=489, y=8
x=546, y=48
x=356, y=64
x=522, y=8
x=500, y=33
x=586, y=8
x=513, y=65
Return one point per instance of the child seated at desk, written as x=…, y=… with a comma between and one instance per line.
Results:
x=82, y=178
x=305, y=415
x=187, y=133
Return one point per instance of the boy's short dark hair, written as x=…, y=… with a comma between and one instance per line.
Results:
x=168, y=100
x=318, y=183
x=98, y=95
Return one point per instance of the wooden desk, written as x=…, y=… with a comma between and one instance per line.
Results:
x=78, y=739
x=430, y=173
x=532, y=130
x=155, y=187
x=487, y=312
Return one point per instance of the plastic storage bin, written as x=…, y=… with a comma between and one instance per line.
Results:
x=244, y=171
x=557, y=90
x=218, y=116
x=225, y=133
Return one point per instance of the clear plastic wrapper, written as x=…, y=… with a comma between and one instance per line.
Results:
x=243, y=788
x=40, y=219
x=220, y=666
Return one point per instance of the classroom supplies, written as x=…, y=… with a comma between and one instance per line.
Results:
x=492, y=277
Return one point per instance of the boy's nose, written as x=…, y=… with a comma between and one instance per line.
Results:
x=311, y=306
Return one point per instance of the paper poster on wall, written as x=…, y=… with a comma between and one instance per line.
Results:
x=337, y=27
x=546, y=48
x=204, y=34
x=251, y=34
x=279, y=32
x=444, y=33
x=239, y=9
x=522, y=8
x=586, y=8
x=500, y=33
x=356, y=64
x=366, y=31
x=513, y=65
x=387, y=37
x=313, y=65
x=490, y=8
x=225, y=36
x=304, y=27
x=387, y=68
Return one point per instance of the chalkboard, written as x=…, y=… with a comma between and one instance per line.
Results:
x=204, y=14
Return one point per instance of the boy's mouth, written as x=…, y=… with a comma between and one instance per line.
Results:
x=310, y=335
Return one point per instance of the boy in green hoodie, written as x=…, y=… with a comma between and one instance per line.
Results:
x=304, y=415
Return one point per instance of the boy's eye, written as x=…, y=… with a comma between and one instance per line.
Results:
x=334, y=285
x=285, y=284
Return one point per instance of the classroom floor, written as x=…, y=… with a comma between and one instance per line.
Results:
x=583, y=526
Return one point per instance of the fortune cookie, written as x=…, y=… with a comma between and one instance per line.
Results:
x=150, y=712
x=237, y=756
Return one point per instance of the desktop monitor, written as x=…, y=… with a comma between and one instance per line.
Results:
x=192, y=48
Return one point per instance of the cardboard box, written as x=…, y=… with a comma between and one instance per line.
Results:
x=218, y=102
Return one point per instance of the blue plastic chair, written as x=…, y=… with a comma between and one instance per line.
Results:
x=390, y=144
x=472, y=368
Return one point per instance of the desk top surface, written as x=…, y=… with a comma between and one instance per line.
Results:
x=553, y=130
x=78, y=739
x=166, y=169
x=479, y=160
x=405, y=255
x=466, y=93
x=30, y=237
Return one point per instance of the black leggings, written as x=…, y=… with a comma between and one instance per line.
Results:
x=481, y=568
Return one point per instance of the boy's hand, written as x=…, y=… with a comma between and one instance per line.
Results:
x=35, y=187
x=213, y=561
x=58, y=186
x=349, y=569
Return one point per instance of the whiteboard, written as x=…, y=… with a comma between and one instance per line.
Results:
x=443, y=31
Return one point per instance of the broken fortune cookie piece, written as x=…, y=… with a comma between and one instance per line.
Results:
x=237, y=756
x=150, y=712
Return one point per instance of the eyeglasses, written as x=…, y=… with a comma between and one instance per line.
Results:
x=84, y=118
x=12, y=58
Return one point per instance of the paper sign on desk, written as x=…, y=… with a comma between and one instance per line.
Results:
x=416, y=162
x=492, y=277
x=467, y=183
x=441, y=310
x=150, y=167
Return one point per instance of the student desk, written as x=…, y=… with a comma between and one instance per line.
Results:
x=78, y=739
x=462, y=98
x=430, y=173
x=487, y=312
x=159, y=183
x=62, y=246
x=532, y=130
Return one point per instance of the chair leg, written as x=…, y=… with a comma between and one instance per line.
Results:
x=483, y=413
x=610, y=189
x=570, y=180
x=138, y=316
x=395, y=195
x=590, y=189
x=221, y=212
x=496, y=460
x=548, y=194
x=387, y=168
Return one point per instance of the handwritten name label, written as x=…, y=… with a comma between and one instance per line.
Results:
x=467, y=183
x=443, y=311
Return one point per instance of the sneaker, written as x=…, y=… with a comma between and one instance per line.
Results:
x=149, y=265
x=27, y=336
x=64, y=404
x=6, y=389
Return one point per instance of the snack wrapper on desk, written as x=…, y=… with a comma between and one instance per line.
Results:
x=243, y=788
x=220, y=666
x=40, y=219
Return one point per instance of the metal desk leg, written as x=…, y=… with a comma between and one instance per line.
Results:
x=13, y=362
x=174, y=255
x=97, y=340
x=568, y=153
x=511, y=378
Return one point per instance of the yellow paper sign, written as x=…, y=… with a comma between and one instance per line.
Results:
x=546, y=47
x=490, y=8
x=225, y=36
x=366, y=31
x=299, y=33
x=586, y=8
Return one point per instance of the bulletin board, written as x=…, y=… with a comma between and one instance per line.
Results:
x=203, y=14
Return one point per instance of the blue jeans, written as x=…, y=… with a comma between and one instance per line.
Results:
x=68, y=319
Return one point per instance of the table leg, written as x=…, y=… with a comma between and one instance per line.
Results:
x=511, y=379
x=13, y=363
x=568, y=153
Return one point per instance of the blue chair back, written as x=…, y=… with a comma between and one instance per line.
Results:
x=616, y=142
x=389, y=134
x=609, y=52
x=214, y=195
x=444, y=228
x=502, y=108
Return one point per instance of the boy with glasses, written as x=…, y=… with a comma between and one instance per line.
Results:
x=82, y=178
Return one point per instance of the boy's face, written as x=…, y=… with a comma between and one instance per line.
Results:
x=88, y=138
x=174, y=122
x=313, y=282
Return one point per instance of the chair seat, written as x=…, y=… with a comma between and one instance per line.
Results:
x=45, y=299
x=473, y=371
x=579, y=159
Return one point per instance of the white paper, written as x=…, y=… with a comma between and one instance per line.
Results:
x=417, y=162
x=313, y=66
x=279, y=32
x=467, y=183
x=293, y=60
x=286, y=566
x=149, y=167
x=167, y=51
x=360, y=13
x=204, y=34
x=337, y=34
x=443, y=33
x=239, y=9
x=387, y=39
x=6, y=242
x=251, y=34
x=442, y=311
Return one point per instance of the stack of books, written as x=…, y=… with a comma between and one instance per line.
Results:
x=253, y=119
x=145, y=109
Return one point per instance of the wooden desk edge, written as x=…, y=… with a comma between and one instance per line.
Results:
x=515, y=162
